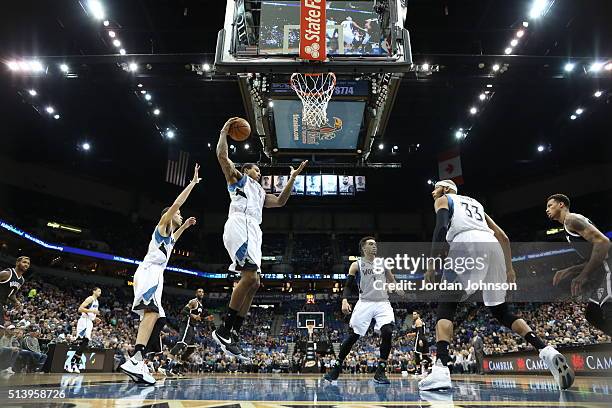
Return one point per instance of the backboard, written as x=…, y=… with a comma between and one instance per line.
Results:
x=363, y=42
x=304, y=318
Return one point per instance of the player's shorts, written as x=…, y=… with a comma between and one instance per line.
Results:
x=84, y=328
x=477, y=257
x=603, y=292
x=187, y=334
x=242, y=239
x=148, y=288
x=365, y=311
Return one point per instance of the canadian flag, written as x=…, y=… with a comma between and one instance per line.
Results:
x=449, y=166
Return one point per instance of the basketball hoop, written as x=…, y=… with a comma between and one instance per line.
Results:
x=315, y=91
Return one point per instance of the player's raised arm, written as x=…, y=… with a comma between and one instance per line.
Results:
x=601, y=247
x=504, y=241
x=230, y=172
x=83, y=308
x=180, y=200
x=273, y=201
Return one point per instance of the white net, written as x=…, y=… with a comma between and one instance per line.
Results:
x=315, y=91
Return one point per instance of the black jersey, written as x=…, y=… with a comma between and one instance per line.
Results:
x=197, y=311
x=420, y=338
x=11, y=285
x=603, y=292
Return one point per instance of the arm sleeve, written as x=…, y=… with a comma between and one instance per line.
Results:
x=348, y=286
x=439, y=234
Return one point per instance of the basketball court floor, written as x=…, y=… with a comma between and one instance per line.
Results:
x=288, y=390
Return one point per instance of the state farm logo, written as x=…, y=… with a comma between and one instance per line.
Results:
x=520, y=363
x=312, y=30
x=313, y=18
x=313, y=50
x=578, y=362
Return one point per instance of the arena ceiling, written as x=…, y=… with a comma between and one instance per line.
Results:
x=99, y=102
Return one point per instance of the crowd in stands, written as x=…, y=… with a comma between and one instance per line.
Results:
x=48, y=313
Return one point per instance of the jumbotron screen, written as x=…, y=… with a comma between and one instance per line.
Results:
x=340, y=133
x=352, y=25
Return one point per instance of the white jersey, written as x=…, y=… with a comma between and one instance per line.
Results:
x=91, y=316
x=247, y=198
x=347, y=30
x=160, y=249
x=466, y=214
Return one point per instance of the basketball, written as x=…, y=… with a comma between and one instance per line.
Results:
x=240, y=130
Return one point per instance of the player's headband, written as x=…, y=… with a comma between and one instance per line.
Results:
x=445, y=183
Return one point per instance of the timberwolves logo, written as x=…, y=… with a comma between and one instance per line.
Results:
x=327, y=132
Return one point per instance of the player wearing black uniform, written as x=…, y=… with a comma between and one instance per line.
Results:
x=11, y=279
x=591, y=278
x=193, y=314
x=421, y=345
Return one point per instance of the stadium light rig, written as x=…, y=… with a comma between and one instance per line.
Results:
x=96, y=9
x=569, y=67
x=538, y=8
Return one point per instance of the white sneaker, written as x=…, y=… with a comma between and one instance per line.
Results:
x=75, y=369
x=8, y=370
x=68, y=368
x=438, y=379
x=137, y=371
x=558, y=366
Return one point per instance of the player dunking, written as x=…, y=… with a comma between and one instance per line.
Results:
x=193, y=314
x=373, y=304
x=149, y=282
x=421, y=345
x=242, y=236
x=89, y=309
x=592, y=277
x=462, y=222
x=11, y=279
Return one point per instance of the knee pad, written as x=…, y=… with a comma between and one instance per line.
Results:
x=446, y=311
x=386, y=332
x=503, y=314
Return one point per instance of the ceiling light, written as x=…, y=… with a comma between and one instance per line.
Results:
x=13, y=65
x=96, y=9
x=147, y=97
x=425, y=67
x=33, y=92
x=489, y=85
x=116, y=43
x=514, y=42
x=597, y=94
x=140, y=85
x=458, y=134
x=473, y=110
x=520, y=33
x=429, y=182
x=573, y=117
x=156, y=111
x=246, y=146
x=170, y=134
x=133, y=66
x=106, y=23
x=111, y=34
x=508, y=51
x=50, y=110
x=525, y=24
x=381, y=146
x=596, y=66
x=36, y=66
x=206, y=67
x=64, y=68
x=56, y=116
x=482, y=96
x=538, y=8
x=86, y=146
x=569, y=67
x=540, y=148
x=496, y=67
x=122, y=51
x=579, y=111
x=271, y=104
x=608, y=66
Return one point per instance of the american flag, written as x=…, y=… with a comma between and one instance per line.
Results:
x=176, y=169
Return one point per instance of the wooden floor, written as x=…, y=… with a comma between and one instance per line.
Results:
x=288, y=390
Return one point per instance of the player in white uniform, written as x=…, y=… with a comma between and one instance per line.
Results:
x=89, y=309
x=242, y=236
x=149, y=282
x=462, y=222
x=373, y=304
